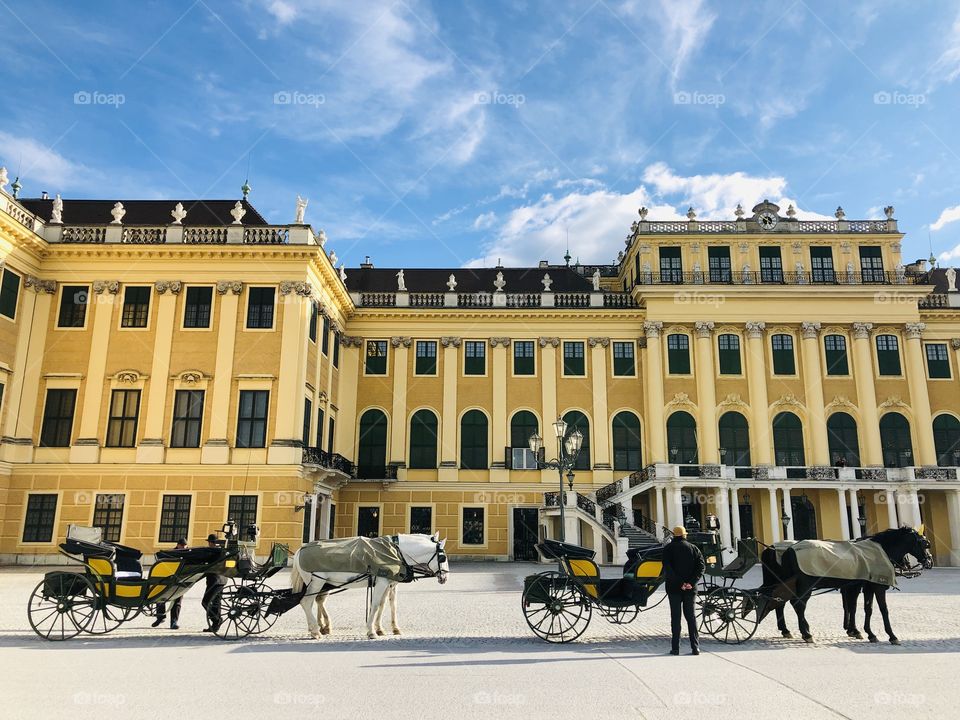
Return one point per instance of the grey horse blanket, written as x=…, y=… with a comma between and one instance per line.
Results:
x=844, y=560
x=378, y=556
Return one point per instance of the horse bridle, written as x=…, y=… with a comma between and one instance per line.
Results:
x=417, y=571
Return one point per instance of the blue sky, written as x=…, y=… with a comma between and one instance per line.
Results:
x=456, y=133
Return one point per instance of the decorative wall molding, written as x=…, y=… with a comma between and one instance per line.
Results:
x=191, y=377
x=495, y=341
x=755, y=329
x=861, y=330
x=652, y=328
x=602, y=341
x=733, y=400
x=915, y=330
x=235, y=286
x=788, y=399
x=129, y=376
x=704, y=328
x=450, y=341
x=110, y=286
x=40, y=286
x=552, y=341
x=839, y=401
x=174, y=286
x=642, y=343
x=303, y=289
x=681, y=400
x=810, y=330
x=955, y=343
x=893, y=401
x=351, y=341
x=397, y=341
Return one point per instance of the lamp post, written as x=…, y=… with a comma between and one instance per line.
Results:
x=568, y=448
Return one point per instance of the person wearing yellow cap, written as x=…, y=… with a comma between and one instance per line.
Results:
x=682, y=567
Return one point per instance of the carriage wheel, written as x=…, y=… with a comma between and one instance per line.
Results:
x=729, y=614
x=239, y=611
x=108, y=618
x=263, y=621
x=555, y=608
x=623, y=615
x=61, y=607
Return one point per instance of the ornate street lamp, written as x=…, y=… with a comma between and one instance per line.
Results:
x=568, y=448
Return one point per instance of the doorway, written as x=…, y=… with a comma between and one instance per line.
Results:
x=525, y=533
x=368, y=521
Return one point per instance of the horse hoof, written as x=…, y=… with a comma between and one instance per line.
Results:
x=786, y=633
x=873, y=639
x=315, y=635
x=857, y=636
x=325, y=631
x=372, y=636
x=396, y=631
x=380, y=633
x=894, y=641
x=808, y=639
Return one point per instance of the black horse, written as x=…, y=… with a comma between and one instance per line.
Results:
x=785, y=579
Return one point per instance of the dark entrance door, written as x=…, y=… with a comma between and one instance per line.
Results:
x=804, y=518
x=692, y=509
x=525, y=533
x=368, y=521
x=746, y=521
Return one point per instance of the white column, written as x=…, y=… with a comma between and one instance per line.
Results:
x=892, y=509
x=774, y=513
x=912, y=508
x=312, y=527
x=953, y=516
x=659, y=517
x=854, y=514
x=735, y=514
x=788, y=509
x=326, y=517
x=842, y=500
x=722, y=505
x=675, y=507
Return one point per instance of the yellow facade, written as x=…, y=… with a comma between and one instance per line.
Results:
x=653, y=334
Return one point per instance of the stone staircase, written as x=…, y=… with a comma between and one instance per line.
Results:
x=637, y=537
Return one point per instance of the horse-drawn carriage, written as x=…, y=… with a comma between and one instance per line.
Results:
x=112, y=588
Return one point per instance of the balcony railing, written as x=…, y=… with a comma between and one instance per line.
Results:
x=331, y=461
x=495, y=300
x=779, y=277
x=790, y=226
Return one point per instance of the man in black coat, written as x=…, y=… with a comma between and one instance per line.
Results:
x=682, y=567
x=211, y=596
x=175, y=605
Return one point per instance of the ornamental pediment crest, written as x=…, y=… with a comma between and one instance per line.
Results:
x=129, y=376
x=893, y=401
x=788, y=399
x=681, y=400
x=733, y=400
x=840, y=401
x=191, y=377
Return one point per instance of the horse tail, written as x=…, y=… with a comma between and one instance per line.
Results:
x=297, y=582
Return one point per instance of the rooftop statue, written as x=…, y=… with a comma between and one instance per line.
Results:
x=57, y=215
x=118, y=212
x=238, y=212
x=178, y=214
x=547, y=282
x=596, y=280
x=401, y=286
x=452, y=283
x=499, y=283
x=301, y=208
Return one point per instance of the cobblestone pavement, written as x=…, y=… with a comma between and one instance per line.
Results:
x=466, y=652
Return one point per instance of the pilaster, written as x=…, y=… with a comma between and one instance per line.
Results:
x=216, y=449
x=151, y=448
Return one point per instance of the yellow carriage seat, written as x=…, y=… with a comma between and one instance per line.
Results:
x=160, y=575
x=649, y=570
x=588, y=570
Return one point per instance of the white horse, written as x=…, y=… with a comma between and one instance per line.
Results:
x=422, y=553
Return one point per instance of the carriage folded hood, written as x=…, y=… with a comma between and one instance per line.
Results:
x=379, y=557
x=864, y=560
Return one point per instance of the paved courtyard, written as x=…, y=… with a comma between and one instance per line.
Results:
x=466, y=652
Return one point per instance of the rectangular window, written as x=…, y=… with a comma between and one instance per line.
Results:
x=307, y=417
x=938, y=361
x=58, y=418
x=729, y=351
x=242, y=509
x=314, y=317
x=771, y=265
x=325, y=341
x=524, y=362
x=136, y=307
x=678, y=354
x=835, y=350
x=122, y=426
x=9, y=294
x=376, y=361
x=574, y=362
x=108, y=515
x=624, y=362
x=671, y=267
x=783, y=361
x=174, y=518
x=260, y=308
x=41, y=513
x=196, y=309
x=888, y=354
x=474, y=357
x=330, y=435
x=336, y=349
x=718, y=259
x=320, y=428
x=821, y=265
x=187, y=418
x=252, y=418
x=421, y=520
x=73, y=306
x=871, y=264
x=472, y=526
x=426, y=363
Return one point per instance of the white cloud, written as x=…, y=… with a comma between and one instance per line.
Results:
x=714, y=196
x=40, y=164
x=949, y=215
x=485, y=220
x=283, y=11
x=946, y=68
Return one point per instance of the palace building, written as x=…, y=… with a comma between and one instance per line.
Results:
x=166, y=365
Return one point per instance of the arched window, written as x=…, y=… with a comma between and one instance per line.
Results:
x=946, y=438
x=734, y=439
x=888, y=355
x=523, y=424
x=423, y=439
x=626, y=441
x=473, y=440
x=372, y=445
x=682, y=438
x=895, y=440
x=842, y=439
x=788, y=439
x=783, y=361
x=728, y=348
x=576, y=420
